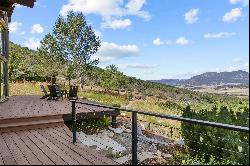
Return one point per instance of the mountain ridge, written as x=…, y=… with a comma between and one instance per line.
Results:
x=238, y=77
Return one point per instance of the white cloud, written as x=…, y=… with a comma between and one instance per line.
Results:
x=109, y=10
x=191, y=16
x=37, y=28
x=117, y=24
x=106, y=8
x=237, y=60
x=134, y=8
x=233, y=15
x=218, y=35
x=242, y=2
x=112, y=51
x=159, y=42
x=137, y=66
x=14, y=27
x=182, y=41
x=32, y=43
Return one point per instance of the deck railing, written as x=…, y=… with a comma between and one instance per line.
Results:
x=134, y=119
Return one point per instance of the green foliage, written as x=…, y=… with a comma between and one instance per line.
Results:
x=224, y=144
x=93, y=125
x=186, y=159
x=105, y=98
x=171, y=105
x=70, y=46
x=112, y=79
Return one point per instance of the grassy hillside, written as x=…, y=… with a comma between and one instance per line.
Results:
x=30, y=66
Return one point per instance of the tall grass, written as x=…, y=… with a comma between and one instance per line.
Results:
x=26, y=88
x=104, y=98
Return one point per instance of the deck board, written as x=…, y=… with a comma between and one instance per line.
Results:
x=59, y=152
x=50, y=153
x=1, y=160
x=78, y=145
x=33, y=106
x=7, y=157
x=67, y=150
x=17, y=154
x=38, y=152
x=32, y=159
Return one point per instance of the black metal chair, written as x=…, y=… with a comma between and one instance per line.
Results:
x=44, y=91
x=55, y=92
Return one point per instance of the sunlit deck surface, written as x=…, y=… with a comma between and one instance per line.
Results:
x=33, y=106
x=32, y=131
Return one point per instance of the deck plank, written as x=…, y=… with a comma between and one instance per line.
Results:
x=73, y=154
x=58, y=151
x=93, y=155
x=1, y=160
x=33, y=106
x=17, y=154
x=50, y=153
x=32, y=159
x=35, y=149
x=7, y=157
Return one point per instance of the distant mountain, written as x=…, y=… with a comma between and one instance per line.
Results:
x=172, y=82
x=211, y=78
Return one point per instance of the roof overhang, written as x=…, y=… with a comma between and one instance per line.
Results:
x=9, y=5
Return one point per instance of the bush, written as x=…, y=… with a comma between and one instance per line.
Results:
x=225, y=145
x=91, y=126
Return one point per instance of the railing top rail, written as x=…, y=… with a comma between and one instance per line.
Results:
x=172, y=117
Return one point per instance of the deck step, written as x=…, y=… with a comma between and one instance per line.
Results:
x=29, y=119
x=31, y=123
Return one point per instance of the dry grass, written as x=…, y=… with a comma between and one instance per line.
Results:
x=238, y=92
x=25, y=88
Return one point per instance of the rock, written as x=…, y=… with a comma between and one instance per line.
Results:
x=158, y=153
x=128, y=130
x=141, y=157
x=107, y=133
x=166, y=156
x=180, y=142
x=117, y=130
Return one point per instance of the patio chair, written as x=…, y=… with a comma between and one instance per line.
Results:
x=44, y=91
x=73, y=92
x=55, y=92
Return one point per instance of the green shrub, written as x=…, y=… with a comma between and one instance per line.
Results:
x=91, y=126
x=224, y=145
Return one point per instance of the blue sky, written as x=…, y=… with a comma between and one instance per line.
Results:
x=151, y=39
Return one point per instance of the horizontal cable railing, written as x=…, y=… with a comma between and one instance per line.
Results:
x=178, y=133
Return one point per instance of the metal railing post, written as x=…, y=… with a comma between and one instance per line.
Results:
x=134, y=138
x=74, y=120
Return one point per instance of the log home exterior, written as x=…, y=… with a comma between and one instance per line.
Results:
x=6, y=10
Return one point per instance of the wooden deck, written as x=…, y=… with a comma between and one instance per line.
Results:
x=32, y=131
x=33, y=106
x=47, y=146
